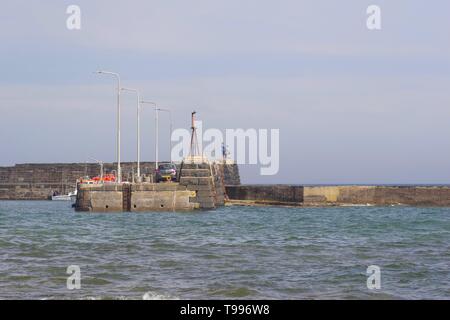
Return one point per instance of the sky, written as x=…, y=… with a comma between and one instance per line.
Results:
x=352, y=105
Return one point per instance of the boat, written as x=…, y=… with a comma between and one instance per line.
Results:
x=72, y=196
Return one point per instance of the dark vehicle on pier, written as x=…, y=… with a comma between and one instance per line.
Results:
x=166, y=172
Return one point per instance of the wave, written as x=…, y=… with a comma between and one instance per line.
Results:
x=157, y=296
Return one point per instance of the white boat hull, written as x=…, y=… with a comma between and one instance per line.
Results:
x=72, y=196
x=61, y=198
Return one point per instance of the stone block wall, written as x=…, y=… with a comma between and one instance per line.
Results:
x=206, y=180
x=341, y=195
x=269, y=194
x=231, y=174
x=379, y=195
x=39, y=181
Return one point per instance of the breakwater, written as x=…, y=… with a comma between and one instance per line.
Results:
x=38, y=181
x=294, y=195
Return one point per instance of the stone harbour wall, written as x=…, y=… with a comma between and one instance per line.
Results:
x=39, y=181
x=340, y=195
x=379, y=195
x=266, y=194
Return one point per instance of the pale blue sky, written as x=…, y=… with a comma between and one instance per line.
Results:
x=352, y=105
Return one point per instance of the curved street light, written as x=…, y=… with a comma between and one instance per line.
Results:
x=156, y=130
x=138, y=130
x=170, y=128
x=117, y=76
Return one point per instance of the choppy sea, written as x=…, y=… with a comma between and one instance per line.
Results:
x=229, y=253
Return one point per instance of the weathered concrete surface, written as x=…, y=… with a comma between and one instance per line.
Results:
x=379, y=195
x=417, y=196
x=162, y=201
x=166, y=196
x=39, y=181
x=134, y=197
x=99, y=198
x=267, y=194
x=106, y=201
x=340, y=195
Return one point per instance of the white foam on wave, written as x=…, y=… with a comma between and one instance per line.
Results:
x=157, y=296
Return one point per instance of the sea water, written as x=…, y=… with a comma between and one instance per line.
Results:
x=229, y=253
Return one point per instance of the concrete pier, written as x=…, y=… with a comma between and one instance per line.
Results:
x=39, y=181
x=200, y=186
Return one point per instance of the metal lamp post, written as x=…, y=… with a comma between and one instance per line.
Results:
x=101, y=163
x=171, y=126
x=156, y=131
x=117, y=76
x=138, y=130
